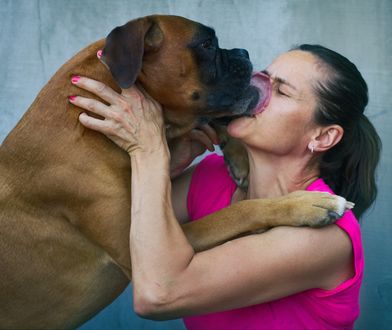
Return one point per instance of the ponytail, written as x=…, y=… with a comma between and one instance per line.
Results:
x=349, y=167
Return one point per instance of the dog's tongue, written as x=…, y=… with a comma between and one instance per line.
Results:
x=263, y=83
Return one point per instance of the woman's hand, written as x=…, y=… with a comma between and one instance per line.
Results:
x=132, y=119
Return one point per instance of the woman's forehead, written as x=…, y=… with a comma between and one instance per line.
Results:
x=297, y=67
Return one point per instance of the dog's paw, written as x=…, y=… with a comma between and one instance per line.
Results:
x=239, y=176
x=238, y=169
x=317, y=209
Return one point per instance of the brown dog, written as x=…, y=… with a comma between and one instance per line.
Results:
x=65, y=190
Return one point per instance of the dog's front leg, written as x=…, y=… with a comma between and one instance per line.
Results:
x=301, y=208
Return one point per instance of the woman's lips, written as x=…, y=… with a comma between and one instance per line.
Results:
x=263, y=83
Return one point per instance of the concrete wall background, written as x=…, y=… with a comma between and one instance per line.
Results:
x=37, y=36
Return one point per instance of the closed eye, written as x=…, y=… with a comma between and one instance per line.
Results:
x=279, y=91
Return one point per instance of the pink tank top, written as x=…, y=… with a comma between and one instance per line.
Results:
x=311, y=309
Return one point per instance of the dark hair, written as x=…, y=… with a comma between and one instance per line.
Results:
x=349, y=167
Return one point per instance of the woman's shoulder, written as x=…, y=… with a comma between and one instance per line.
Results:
x=350, y=225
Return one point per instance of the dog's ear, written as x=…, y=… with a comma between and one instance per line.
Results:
x=126, y=45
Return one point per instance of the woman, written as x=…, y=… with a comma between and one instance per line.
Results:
x=312, y=135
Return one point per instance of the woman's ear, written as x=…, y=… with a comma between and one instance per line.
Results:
x=326, y=138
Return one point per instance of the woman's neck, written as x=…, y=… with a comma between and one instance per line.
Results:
x=273, y=176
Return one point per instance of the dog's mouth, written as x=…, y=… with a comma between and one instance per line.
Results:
x=256, y=99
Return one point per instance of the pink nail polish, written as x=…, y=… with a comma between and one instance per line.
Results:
x=75, y=79
x=99, y=53
x=72, y=98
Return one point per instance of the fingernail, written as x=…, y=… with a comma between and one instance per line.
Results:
x=72, y=98
x=75, y=79
x=99, y=53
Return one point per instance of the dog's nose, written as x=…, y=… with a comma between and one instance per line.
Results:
x=240, y=52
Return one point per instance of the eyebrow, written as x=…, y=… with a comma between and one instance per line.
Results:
x=279, y=80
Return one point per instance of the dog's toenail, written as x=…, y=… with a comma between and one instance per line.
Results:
x=333, y=215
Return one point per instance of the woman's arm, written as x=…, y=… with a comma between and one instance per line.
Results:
x=170, y=279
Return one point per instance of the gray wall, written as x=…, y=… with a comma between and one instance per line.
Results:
x=38, y=36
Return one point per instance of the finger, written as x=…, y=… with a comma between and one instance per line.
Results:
x=134, y=98
x=203, y=138
x=98, y=88
x=143, y=102
x=141, y=89
x=134, y=92
x=91, y=105
x=149, y=97
x=137, y=88
x=211, y=133
x=93, y=123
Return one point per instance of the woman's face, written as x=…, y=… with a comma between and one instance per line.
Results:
x=286, y=125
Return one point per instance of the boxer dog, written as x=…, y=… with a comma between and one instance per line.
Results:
x=65, y=190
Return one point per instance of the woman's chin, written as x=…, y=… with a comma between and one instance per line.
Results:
x=237, y=127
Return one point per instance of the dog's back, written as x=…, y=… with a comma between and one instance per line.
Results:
x=54, y=272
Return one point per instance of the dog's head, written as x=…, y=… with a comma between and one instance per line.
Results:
x=179, y=63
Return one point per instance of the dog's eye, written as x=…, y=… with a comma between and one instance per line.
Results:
x=207, y=44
